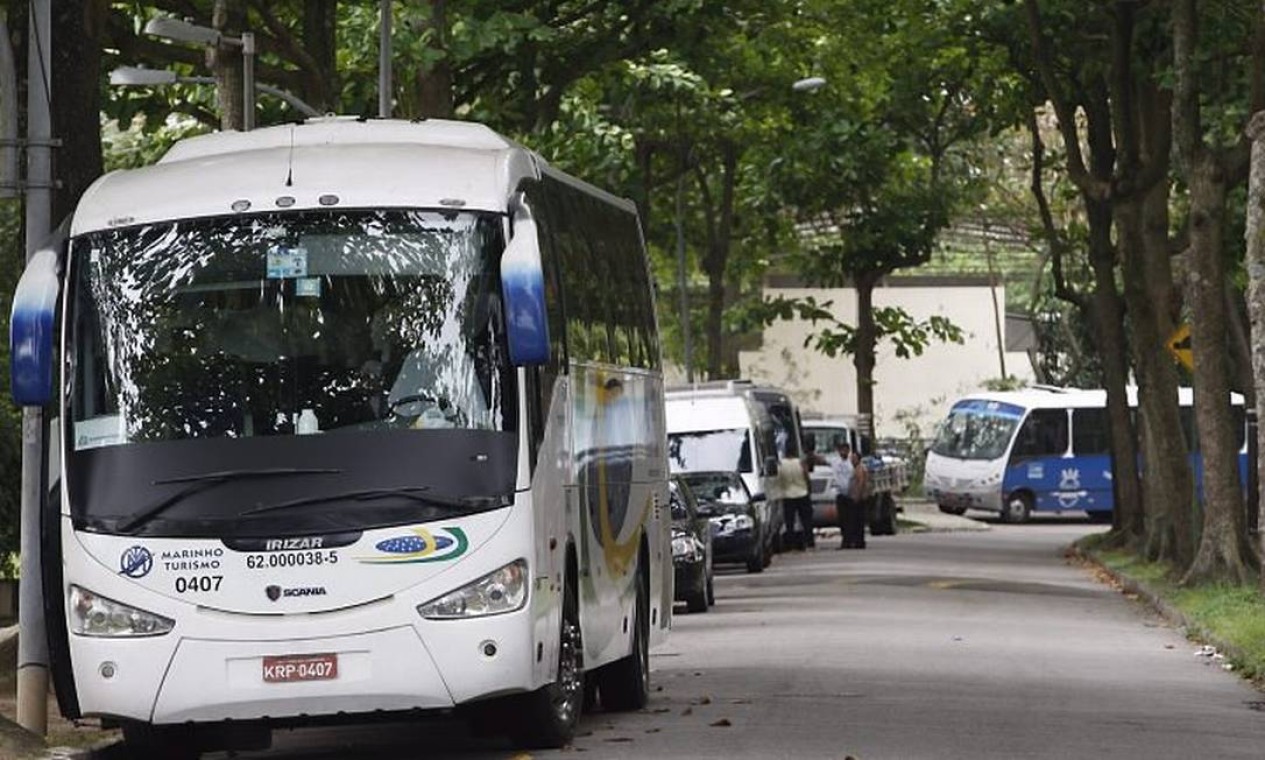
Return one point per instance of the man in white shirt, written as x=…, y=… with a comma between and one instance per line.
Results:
x=841, y=481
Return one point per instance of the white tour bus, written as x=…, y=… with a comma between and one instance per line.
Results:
x=351, y=417
x=1037, y=450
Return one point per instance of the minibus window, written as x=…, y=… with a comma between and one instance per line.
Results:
x=1044, y=433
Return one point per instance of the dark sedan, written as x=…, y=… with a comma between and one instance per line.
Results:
x=691, y=550
x=738, y=530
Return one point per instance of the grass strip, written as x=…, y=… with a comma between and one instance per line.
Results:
x=1231, y=618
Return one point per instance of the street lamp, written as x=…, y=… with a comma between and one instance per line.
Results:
x=134, y=76
x=808, y=84
x=179, y=30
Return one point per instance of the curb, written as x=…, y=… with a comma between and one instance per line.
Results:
x=1190, y=628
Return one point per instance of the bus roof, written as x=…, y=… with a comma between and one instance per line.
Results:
x=1047, y=397
x=343, y=162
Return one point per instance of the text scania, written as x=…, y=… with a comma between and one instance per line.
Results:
x=304, y=591
x=177, y=560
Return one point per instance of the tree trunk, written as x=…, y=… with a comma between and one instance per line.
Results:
x=1107, y=313
x=321, y=42
x=863, y=359
x=225, y=61
x=1254, y=259
x=1220, y=557
x=716, y=262
x=434, y=84
x=76, y=107
x=1166, y=472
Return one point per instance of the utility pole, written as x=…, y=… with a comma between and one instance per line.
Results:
x=384, y=59
x=32, y=686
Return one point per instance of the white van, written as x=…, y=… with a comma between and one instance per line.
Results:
x=718, y=426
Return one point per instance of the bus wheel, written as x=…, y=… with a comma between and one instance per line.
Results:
x=1018, y=508
x=548, y=716
x=625, y=684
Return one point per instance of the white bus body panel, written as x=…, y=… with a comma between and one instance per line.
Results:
x=973, y=483
x=202, y=669
x=364, y=164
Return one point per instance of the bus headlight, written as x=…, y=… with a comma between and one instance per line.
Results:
x=502, y=590
x=93, y=615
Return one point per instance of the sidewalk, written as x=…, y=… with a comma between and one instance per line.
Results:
x=928, y=514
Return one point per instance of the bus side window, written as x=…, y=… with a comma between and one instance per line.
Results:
x=1044, y=433
x=1089, y=432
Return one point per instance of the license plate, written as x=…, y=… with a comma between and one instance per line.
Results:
x=305, y=667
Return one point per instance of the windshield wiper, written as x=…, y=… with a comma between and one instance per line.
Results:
x=202, y=482
x=414, y=493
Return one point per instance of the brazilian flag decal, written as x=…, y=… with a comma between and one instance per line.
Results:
x=419, y=545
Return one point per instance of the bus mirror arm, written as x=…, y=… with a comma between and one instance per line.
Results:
x=523, y=287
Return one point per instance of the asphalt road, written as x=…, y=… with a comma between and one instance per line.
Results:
x=967, y=645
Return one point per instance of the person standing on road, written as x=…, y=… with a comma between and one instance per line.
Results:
x=858, y=504
x=801, y=507
x=841, y=481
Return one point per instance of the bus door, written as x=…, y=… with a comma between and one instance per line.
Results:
x=1040, y=463
x=1091, y=455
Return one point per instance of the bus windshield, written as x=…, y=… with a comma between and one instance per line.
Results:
x=288, y=323
x=700, y=450
x=977, y=429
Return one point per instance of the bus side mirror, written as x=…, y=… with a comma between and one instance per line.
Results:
x=523, y=286
x=31, y=330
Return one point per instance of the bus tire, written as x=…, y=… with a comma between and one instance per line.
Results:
x=625, y=684
x=547, y=717
x=1018, y=508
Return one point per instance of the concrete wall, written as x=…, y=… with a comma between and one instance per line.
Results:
x=917, y=390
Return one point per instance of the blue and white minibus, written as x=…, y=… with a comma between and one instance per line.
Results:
x=347, y=418
x=1037, y=450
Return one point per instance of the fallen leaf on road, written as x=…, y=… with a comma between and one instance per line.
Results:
x=658, y=710
x=616, y=739
x=740, y=702
x=705, y=701
x=653, y=730
x=722, y=723
x=1169, y=646
x=688, y=711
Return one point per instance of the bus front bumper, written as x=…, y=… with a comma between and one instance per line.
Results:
x=207, y=680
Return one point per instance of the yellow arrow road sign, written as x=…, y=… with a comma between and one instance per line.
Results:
x=1179, y=346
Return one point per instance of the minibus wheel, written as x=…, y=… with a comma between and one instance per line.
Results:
x=1018, y=508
